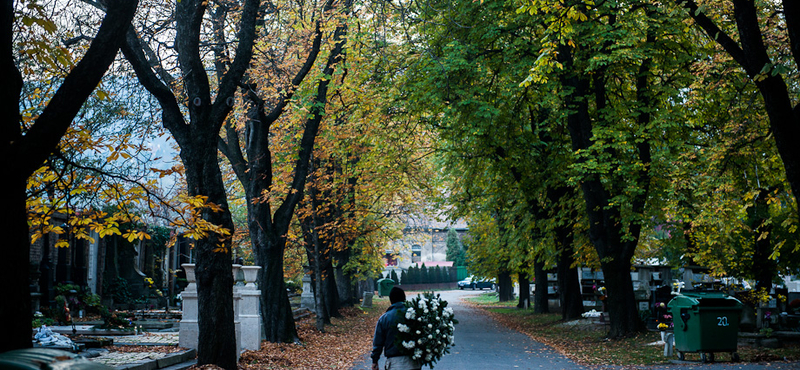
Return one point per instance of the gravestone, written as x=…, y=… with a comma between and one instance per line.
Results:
x=307, y=297
x=367, y=301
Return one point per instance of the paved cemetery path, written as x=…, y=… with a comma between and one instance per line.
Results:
x=482, y=343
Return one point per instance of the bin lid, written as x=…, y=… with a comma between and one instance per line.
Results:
x=704, y=299
x=385, y=281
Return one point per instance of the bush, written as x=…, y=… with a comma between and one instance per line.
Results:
x=293, y=287
x=118, y=290
x=41, y=320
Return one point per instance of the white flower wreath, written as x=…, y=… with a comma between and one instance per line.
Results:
x=425, y=332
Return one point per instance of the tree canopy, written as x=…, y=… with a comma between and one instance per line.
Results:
x=566, y=133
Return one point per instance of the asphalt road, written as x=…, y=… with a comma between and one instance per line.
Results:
x=483, y=344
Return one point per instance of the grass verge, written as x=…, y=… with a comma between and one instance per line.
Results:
x=584, y=341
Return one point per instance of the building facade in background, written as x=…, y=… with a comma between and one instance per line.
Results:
x=424, y=241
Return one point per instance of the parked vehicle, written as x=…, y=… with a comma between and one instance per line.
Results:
x=477, y=283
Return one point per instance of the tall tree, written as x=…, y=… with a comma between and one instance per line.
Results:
x=487, y=114
x=455, y=250
x=268, y=229
x=729, y=167
x=767, y=46
x=194, y=110
x=27, y=146
x=618, y=103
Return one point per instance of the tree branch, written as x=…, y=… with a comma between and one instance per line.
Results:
x=32, y=149
x=172, y=118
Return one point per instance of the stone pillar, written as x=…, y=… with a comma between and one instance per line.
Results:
x=250, y=310
x=246, y=310
x=92, y=272
x=238, y=283
x=307, y=299
x=189, y=329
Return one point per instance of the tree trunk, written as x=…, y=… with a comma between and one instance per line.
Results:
x=15, y=271
x=326, y=244
x=268, y=230
x=318, y=249
x=213, y=259
x=524, y=290
x=276, y=311
x=330, y=287
x=266, y=233
x=24, y=154
x=505, y=287
x=344, y=284
x=763, y=268
x=319, y=291
x=540, y=293
x=569, y=286
x=197, y=138
x=605, y=228
x=621, y=303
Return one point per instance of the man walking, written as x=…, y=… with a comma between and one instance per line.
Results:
x=385, y=333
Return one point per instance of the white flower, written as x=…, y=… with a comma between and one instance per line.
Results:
x=431, y=340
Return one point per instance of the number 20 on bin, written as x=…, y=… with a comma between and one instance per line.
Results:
x=723, y=321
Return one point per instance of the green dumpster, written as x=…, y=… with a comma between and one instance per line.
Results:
x=385, y=286
x=706, y=322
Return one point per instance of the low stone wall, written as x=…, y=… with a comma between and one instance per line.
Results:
x=428, y=287
x=774, y=340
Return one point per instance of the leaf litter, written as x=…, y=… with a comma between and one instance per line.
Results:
x=340, y=347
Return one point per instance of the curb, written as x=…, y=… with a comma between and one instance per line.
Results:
x=182, y=365
x=172, y=361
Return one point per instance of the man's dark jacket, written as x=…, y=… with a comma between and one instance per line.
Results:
x=386, y=331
